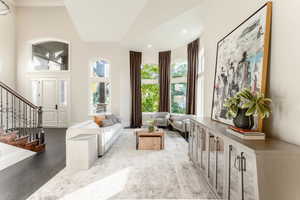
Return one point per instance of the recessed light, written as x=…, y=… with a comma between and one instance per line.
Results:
x=184, y=31
x=149, y=46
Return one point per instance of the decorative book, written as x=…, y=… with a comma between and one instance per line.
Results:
x=251, y=135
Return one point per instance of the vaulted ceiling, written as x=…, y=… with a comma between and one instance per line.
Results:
x=137, y=24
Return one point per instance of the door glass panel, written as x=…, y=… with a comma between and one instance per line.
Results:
x=220, y=167
x=35, y=95
x=62, y=92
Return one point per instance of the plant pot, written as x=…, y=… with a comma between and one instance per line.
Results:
x=151, y=129
x=242, y=121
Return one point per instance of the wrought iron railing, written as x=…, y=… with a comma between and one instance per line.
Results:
x=17, y=114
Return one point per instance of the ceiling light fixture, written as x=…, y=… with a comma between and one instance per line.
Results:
x=4, y=8
x=149, y=46
x=184, y=31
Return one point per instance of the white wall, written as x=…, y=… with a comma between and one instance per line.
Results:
x=7, y=49
x=177, y=55
x=54, y=22
x=221, y=17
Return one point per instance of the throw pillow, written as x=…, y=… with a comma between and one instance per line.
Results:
x=99, y=120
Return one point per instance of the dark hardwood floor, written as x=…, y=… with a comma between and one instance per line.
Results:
x=19, y=181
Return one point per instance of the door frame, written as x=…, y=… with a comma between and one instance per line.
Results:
x=50, y=76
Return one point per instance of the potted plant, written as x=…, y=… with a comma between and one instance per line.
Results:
x=151, y=127
x=245, y=105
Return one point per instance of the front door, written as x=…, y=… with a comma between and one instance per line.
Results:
x=51, y=94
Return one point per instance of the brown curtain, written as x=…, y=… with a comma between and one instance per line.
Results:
x=136, y=94
x=193, y=52
x=164, y=63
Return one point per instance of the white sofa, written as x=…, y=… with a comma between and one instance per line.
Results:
x=106, y=135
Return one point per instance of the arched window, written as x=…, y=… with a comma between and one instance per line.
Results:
x=50, y=56
x=99, y=87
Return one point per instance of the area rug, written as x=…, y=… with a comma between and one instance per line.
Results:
x=125, y=173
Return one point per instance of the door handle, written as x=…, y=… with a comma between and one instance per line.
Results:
x=56, y=107
x=243, y=161
x=237, y=163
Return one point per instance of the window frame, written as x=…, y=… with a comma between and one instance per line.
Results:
x=176, y=80
x=200, y=83
x=92, y=80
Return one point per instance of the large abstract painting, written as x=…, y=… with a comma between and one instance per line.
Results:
x=242, y=61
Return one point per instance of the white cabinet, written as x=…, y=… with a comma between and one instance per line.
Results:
x=244, y=170
x=242, y=174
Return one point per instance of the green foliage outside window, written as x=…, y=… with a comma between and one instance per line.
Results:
x=178, y=98
x=150, y=97
x=179, y=70
x=149, y=71
x=150, y=91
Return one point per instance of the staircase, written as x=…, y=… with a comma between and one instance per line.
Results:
x=20, y=121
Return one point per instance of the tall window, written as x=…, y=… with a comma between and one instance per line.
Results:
x=150, y=87
x=200, y=92
x=178, y=87
x=50, y=56
x=99, y=87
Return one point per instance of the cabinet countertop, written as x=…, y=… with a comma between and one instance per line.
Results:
x=258, y=146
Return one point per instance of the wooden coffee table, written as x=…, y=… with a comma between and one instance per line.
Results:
x=150, y=141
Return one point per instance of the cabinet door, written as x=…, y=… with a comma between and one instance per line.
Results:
x=211, y=159
x=220, y=167
x=191, y=139
x=249, y=176
x=234, y=174
x=202, y=149
x=193, y=142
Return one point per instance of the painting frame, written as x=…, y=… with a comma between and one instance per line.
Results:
x=265, y=58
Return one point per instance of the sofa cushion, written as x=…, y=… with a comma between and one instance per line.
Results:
x=161, y=115
x=107, y=123
x=113, y=118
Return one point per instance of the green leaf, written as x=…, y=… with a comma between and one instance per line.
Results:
x=251, y=110
x=248, y=104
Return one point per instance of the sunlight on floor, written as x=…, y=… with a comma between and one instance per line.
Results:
x=102, y=189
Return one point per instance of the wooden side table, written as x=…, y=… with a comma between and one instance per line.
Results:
x=150, y=141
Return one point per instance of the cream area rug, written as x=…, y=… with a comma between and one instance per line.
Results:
x=125, y=173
